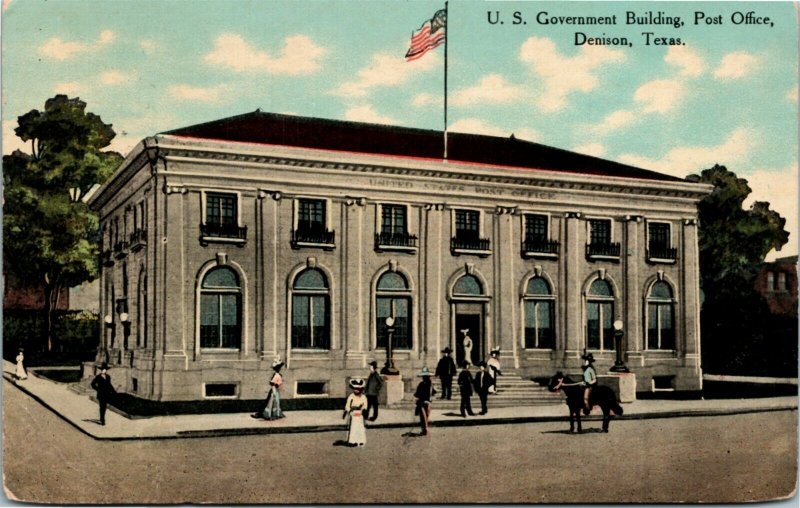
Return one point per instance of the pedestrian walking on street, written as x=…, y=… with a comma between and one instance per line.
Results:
x=271, y=409
x=374, y=386
x=21, y=373
x=589, y=380
x=465, y=389
x=424, y=393
x=483, y=381
x=494, y=368
x=354, y=413
x=105, y=390
x=445, y=370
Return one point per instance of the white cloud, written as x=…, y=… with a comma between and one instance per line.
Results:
x=563, y=75
x=690, y=62
x=779, y=188
x=58, y=49
x=791, y=95
x=367, y=114
x=148, y=46
x=660, y=95
x=491, y=89
x=300, y=55
x=10, y=140
x=69, y=88
x=116, y=77
x=685, y=160
x=386, y=70
x=478, y=126
x=209, y=95
x=594, y=149
x=426, y=99
x=736, y=65
x=615, y=120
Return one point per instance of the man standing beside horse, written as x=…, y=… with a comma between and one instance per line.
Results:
x=589, y=380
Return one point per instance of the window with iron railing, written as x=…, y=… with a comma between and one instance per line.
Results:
x=394, y=229
x=222, y=219
x=600, y=244
x=467, y=232
x=659, y=245
x=311, y=229
x=536, y=240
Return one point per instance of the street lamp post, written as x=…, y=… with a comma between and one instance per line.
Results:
x=619, y=364
x=389, y=368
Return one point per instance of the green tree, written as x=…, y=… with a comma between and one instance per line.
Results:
x=50, y=236
x=733, y=243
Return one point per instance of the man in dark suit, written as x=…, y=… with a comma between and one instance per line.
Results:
x=374, y=386
x=445, y=370
x=483, y=381
x=465, y=388
x=105, y=390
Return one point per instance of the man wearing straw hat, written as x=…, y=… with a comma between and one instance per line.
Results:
x=424, y=394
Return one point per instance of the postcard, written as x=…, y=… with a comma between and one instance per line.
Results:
x=374, y=252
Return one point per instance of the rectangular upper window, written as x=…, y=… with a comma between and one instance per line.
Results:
x=221, y=209
x=311, y=215
x=536, y=227
x=658, y=235
x=467, y=224
x=600, y=231
x=393, y=219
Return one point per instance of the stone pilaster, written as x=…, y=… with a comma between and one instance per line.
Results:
x=690, y=294
x=633, y=253
x=174, y=277
x=506, y=289
x=435, y=244
x=571, y=305
x=355, y=290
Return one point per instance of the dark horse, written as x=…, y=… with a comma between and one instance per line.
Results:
x=602, y=396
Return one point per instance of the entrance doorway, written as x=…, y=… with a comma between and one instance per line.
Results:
x=471, y=324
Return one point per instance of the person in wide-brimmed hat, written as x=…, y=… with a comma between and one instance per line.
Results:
x=424, y=393
x=483, y=381
x=271, y=409
x=354, y=408
x=105, y=390
x=374, y=387
x=493, y=367
x=445, y=370
x=589, y=380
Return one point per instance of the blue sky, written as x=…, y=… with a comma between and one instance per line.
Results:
x=728, y=95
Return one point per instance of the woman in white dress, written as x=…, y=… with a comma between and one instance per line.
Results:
x=494, y=368
x=354, y=410
x=467, y=343
x=21, y=373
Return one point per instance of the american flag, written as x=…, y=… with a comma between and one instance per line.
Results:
x=429, y=36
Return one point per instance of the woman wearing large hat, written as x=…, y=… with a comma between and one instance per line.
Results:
x=424, y=394
x=271, y=409
x=589, y=380
x=354, y=409
x=493, y=366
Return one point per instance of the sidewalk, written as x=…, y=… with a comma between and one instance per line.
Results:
x=82, y=413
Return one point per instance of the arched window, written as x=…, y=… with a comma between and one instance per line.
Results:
x=220, y=309
x=468, y=285
x=310, y=311
x=600, y=316
x=539, y=319
x=393, y=298
x=660, y=317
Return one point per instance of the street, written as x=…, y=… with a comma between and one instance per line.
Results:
x=722, y=459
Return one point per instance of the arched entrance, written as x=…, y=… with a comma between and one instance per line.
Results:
x=468, y=318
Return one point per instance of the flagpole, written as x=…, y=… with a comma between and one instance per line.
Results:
x=446, y=37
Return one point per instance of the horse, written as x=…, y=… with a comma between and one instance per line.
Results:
x=602, y=396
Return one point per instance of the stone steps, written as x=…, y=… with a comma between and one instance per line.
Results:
x=514, y=390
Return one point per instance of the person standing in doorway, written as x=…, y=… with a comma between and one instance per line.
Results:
x=483, y=381
x=21, y=373
x=445, y=370
x=467, y=343
x=105, y=390
x=374, y=386
x=424, y=393
x=465, y=389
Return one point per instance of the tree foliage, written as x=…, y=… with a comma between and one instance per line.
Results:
x=733, y=243
x=50, y=237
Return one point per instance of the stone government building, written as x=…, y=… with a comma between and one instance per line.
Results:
x=230, y=243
